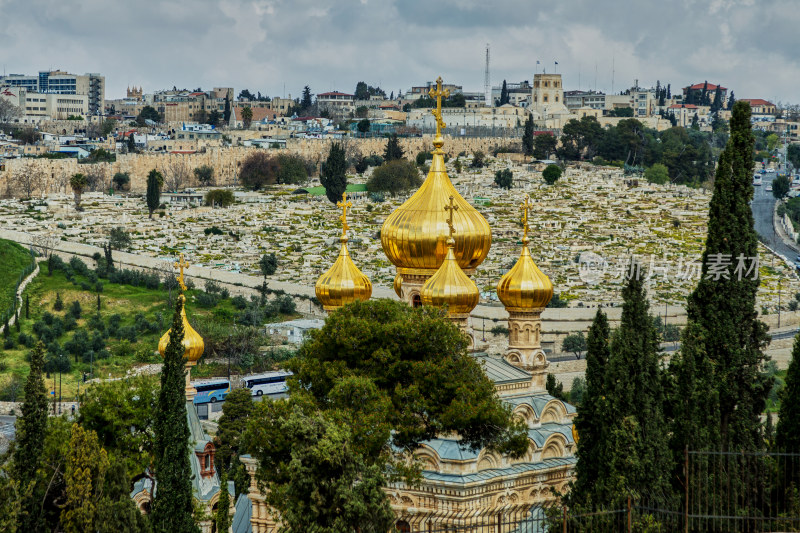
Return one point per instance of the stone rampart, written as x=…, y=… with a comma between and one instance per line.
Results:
x=226, y=161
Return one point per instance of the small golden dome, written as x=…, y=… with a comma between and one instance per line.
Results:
x=344, y=282
x=524, y=286
x=193, y=345
x=398, y=286
x=411, y=235
x=450, y=287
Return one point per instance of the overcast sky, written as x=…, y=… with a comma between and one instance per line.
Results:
x=750, y=46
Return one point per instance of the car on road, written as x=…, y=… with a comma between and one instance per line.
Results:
x=757, y=181
x=769, y=188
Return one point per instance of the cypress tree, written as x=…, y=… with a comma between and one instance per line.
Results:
x=334, y=173
x=131, y=143
x=393, y=150
x=723, y=345
x=527, y=136
x=787, y=437
x=154, y=181
x=173, y=505
x=17, y=321
x=636, y=461
x=31, y=431
x=223, y=518
x=27, y=306
x=589, y=423
x=504, y=94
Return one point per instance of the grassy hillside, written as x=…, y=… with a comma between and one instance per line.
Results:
x=14, y=259
x=124, y=333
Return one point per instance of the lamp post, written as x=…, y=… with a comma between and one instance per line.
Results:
x=484, y=328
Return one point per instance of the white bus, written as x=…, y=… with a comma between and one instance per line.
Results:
x=268, y=383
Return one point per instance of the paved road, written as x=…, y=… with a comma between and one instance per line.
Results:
x=763, y=205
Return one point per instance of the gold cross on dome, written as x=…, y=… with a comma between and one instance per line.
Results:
x=525, y=207
x=181, y=264
x=438, y=93
x=344, y=204
x=452, y=208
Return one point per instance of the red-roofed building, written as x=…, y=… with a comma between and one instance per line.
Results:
x=336, y=102
x=760, y=107
x=696, y=92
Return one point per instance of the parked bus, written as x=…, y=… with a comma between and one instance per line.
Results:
x=269, y=383
x=211, y=391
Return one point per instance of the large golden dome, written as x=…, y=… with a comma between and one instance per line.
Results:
x=412, y=235
x=450, y=287
x=343, y=282
x=193, y=345
x=524, y=286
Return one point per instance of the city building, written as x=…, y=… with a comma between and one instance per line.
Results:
x=506, y=116
x=519, y=94
x=693, y=93
x=582, y=99
x=759, y=106
x=91, y=85
x=336, y=102
x=35, y=107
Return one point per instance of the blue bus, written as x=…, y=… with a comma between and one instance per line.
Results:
x=211, y=391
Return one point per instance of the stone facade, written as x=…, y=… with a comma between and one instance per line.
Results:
x=225, y=160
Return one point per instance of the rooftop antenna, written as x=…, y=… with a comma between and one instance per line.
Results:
x=487, y=87
x=595, y=76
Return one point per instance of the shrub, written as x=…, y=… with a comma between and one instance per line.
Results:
x=551, y=174
x=291, y=169
x=213, y=230
x=394, y=177
x=58, y=305
x=504, y=178
x=219, y=197
x=374, y=160
x=258, y=169
x=127, y=333
x=78, y=266
x=239, y=302
x=205, y=299
x=70, y=323
x=499, y=330
x=478, y=160
x=657, y=173
x=75, y=309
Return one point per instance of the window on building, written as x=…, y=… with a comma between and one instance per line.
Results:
x=544, y=98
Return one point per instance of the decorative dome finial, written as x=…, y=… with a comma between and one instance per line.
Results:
x=437, y=93
x=344, y=282
x=193, y=343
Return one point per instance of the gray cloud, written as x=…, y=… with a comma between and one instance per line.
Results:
x=746, y=45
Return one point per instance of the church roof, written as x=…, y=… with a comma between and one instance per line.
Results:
x=499, y=370
x=516, y=470
x=536, y=401
x=242, y=513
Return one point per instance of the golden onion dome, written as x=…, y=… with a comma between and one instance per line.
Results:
x=398, y=286
x=449, y=286
x=524, y=286
x=193, y=345
x=411, y=235
x=343, y=282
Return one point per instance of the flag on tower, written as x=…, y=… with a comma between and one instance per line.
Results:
x=556, y=62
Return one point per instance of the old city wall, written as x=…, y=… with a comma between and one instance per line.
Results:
x=226, y=161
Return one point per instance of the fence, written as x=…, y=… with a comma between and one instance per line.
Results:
x=12, y=309
x=720, y=492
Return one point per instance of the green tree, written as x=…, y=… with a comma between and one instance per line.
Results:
x=315, y=476
x=222, y=517
x=772, y=141
x=589, y=423
x=121, y=180
x=58, y=305
x=394, y=177
x=478, y=159
x=236, y=413
x=544, y=145
x=219, y=197
x=247, y=117
x=121, y=413
x=268, y=264
x=793, y=154
x=173, y=505
x=504, y=178
x=131, y=143
x=119, y=238
x=555, y=388
x=226, y=113
x=148, y=113
x=214, y=118
x=334, y=173
x=409, y=354
x=626, y=112
x=362, y=91
x=504, y=94
x=291, y=169
x=527, y=136
x=575, y=344
x=258, y=170
x=719, y=389
x=155, y=180
x=85, y=474
x=393, y=150
x=78, y=183
x=781, y=186
x=363, y=125
x=305, y=102
x=108, y=126
x=30, y=437
x=635, y=396
x=204, y=174
x=657, y=173
x=787, y=436
x=551, y=174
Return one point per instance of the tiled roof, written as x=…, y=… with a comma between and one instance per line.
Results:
x=757, y=101
x=711, y=87
x=334, y=93
x=514, y=470
x=499, y=370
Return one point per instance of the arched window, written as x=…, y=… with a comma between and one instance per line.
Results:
x=416, y=301
x=402, y=527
